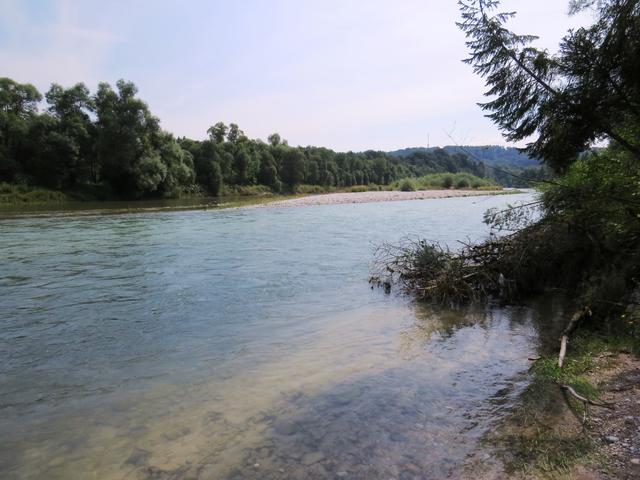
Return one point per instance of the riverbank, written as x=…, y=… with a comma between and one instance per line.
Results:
x=77, y=208
x=380, y=196
x=552, y=435
x=19, y=195
x=244, y=201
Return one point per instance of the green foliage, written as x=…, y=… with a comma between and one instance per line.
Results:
x=235, y=134
x=588, y=91
x=305, y=189
x=72, y=134
x=217, y=132
x=18, y=194
x=407, y=185
x=292, y=166
x=599, y=192
x=127, y=141
x=110, y=143
x=247, y=190
x=268, y=174
x=462, y=183
x=148, y=172
x=18, y=108
x=274, y=139
x=446, y=181
x=362, y=188
x=213, y=175
x=598, y=199
x=179, y=168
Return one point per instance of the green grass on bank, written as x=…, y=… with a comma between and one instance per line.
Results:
x=22, y=194
x=304, y=189
x=246, y=191
x=19, y=194
x=445, y=181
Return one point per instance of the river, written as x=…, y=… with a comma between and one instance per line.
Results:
x=245, y=343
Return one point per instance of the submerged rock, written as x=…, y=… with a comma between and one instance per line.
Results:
x=138, y=457
x=311, y=458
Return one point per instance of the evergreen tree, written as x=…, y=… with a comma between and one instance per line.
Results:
x=566, y=101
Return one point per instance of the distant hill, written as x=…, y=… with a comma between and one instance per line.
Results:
x=492, y=155
x=507, y=165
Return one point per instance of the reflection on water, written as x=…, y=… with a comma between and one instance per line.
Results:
x=243, y=344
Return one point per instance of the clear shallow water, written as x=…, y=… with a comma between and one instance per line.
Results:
x=243, y=344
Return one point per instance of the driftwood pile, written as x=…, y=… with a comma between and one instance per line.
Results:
x=432, y=272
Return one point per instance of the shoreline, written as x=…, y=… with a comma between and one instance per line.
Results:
x=549, y=432
x=343, y=198
x=335, y=198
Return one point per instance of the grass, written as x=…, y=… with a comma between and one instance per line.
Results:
x=304, y=189
x=548, y=454
x=300, y=189
x=246, y=190
x=21, y=194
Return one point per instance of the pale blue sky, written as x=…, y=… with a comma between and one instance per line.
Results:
x=345, y=74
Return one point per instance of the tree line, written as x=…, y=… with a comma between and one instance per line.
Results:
x=70, y=138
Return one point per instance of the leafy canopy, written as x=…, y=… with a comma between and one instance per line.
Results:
x=562, y=103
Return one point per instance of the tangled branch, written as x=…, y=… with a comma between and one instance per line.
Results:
x=435, y=273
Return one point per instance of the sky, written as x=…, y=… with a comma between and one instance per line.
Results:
x=344, y=74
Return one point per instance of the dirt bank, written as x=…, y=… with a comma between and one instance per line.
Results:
x=617, y=431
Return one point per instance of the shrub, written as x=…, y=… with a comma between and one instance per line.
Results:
x=16, y=194
x=312, y=189
x=246, y=190
x=462, y=183
x=407, y=185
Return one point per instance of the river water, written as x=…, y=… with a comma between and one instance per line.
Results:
x=245, y=343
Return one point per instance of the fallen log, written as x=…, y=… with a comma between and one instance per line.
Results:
x=586, y=311
x=566, y=389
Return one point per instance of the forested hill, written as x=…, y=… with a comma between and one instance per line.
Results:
x=506, y=165
x=493, y=155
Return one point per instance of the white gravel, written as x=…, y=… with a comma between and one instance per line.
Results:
x=377, y=196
